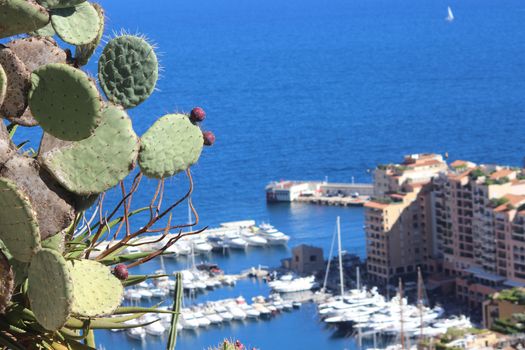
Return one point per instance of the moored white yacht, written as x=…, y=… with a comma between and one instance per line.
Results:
x=235, y=241
x=294, y=285
x=201, y=246
x=272, y=235
x=188, y=320
x=253, y=239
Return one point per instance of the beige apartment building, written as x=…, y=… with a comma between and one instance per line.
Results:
x=465, y=220
x=398, y=220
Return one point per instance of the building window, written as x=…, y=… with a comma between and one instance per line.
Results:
x=313, y=258
x=297, y=258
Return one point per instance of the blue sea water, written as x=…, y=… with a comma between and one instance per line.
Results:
x=303, y=89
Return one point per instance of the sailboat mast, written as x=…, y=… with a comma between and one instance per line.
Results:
x=401, y=329
x=340, y=257
x=357, y=278
x=420, y=300
x=329, y=260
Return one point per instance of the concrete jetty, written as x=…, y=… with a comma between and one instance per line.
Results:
x=319, y=192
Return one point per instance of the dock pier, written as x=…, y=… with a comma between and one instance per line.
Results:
x=319, y=192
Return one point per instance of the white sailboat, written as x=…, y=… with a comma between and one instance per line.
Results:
x=450, y=15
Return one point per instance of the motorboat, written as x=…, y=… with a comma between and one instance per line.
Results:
x=136, y=333
x=201, y=319
x=353, y=315
x=273, y=236
x=253, y=239
x=284, y=278
x=250, y=311
x=171, y=252
x=182, y=247
x=272, y=308
x=287, y=306
x=145, y=293
x=201, y=246
x=217, y=242
x=454, y=321
x=159, y=292
x=237, y=313
x=189, y=322
x=155, y=329
x=235, y=241
x=226, y=315
x=213, y=317
x=293, y=285
x=278, y=305
x=132, y=295
x=376, y=303
x=263, y=310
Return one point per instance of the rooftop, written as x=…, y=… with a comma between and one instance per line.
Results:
x=501, y=173
x=376, y=205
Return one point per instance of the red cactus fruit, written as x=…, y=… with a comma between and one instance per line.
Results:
x=197, y=115
x=121, y=272
x=209, y=138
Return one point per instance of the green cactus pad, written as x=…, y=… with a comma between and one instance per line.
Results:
x=172, y=144
x=18, y=225
x=7, y=280
x=18, y=84
x=36, y=52
x=54, y=205
x=77, y=25
x=57, y=4
x=45, y=31
x=98, y=163
x=50, y=289
x=84, y=52
x=21, y=16
x=3, y=84
x=56, y=242
x=64, y=101
x=96, y=291
x=128, y=70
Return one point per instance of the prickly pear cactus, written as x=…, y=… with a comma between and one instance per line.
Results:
x=170, y=146
x=57, y=284
x=99, y=162
x=65, y=101
x=50, y=289
x=21, y=16
x=84, y=52
x=96, y=291
x=18, y=223
x=77, y=25
x=128, y=70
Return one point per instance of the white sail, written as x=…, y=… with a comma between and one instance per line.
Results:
x=450, y=16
